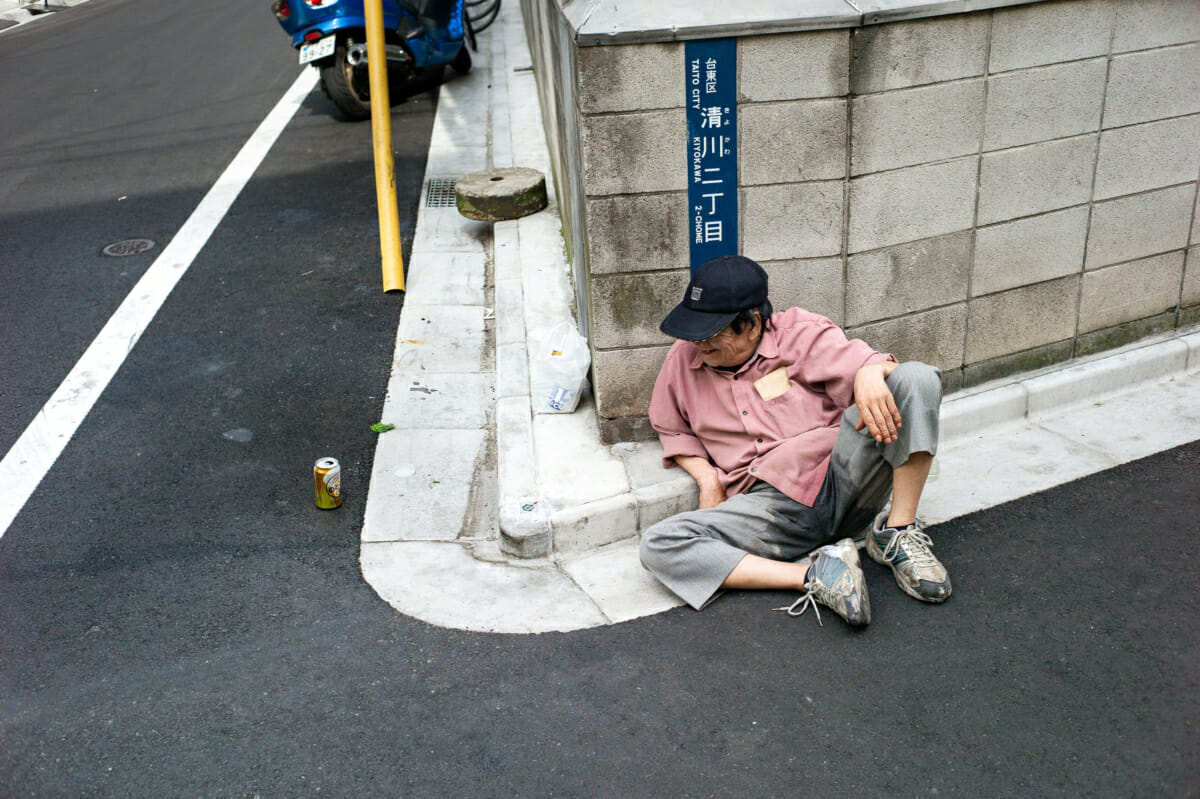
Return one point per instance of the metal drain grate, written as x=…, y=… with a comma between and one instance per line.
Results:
x=441, y=193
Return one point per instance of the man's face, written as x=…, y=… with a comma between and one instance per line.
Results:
x=727, y=348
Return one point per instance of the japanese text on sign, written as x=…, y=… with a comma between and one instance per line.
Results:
x=711, y=85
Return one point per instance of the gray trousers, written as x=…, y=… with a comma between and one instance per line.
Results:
x=693, y=552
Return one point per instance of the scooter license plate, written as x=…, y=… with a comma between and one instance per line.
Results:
x=318, y=49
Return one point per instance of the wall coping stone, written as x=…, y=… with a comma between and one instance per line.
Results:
x=606, y=22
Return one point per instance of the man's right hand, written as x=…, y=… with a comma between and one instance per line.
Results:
x=712, y=493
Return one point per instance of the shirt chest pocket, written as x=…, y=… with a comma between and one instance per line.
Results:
x=773, y=385
x=787, y=406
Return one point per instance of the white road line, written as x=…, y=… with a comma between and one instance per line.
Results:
x=48, y=434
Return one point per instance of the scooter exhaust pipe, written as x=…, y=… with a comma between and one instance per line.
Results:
x=356, y=54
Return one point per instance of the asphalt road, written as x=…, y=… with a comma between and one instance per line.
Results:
x=176, y=619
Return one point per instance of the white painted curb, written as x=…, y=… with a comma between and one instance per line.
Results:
x=1019, y=397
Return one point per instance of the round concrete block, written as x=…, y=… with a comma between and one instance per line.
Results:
x=494, y=195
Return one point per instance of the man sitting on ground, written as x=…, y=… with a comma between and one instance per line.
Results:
x=795, y=435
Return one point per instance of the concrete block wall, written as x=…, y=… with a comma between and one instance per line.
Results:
x=989, y=191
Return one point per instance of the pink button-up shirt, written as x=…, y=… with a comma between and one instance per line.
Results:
x=784, y=440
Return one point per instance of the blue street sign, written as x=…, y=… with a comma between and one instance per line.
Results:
x=710, y=80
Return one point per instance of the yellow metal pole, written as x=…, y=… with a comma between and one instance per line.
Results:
x=381, y=135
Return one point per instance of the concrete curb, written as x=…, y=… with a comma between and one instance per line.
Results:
x=1010, y=439
x=1086, y=380
x=15, y=13
x=12, y=14
x=40, y=6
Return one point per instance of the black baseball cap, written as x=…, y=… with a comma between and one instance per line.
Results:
x=718, y=291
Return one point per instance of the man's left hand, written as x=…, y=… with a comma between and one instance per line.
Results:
x=877, y=409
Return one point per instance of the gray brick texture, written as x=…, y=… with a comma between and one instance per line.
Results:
x=1129, y=291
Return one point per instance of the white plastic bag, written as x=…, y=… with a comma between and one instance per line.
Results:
x=558, y=369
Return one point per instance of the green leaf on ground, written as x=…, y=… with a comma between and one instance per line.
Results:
x=382, y=427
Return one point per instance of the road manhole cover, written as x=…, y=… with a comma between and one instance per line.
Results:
x=119, y=249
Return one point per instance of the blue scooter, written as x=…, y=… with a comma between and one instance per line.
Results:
x=421, y=36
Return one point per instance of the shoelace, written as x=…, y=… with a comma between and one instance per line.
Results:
x=818, y=593
x=916, y=545
x=807, y=601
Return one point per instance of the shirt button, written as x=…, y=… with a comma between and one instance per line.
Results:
x=753, y=468
x=745, y=412
x=760, y=441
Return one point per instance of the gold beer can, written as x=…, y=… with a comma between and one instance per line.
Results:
x=327, y=481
